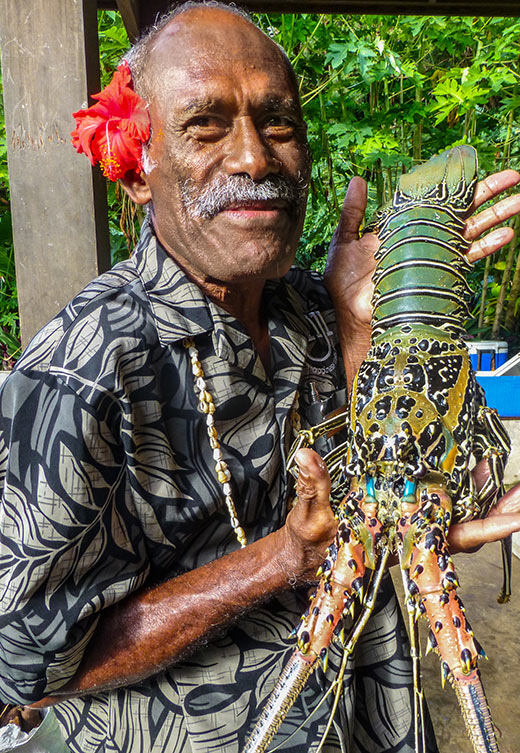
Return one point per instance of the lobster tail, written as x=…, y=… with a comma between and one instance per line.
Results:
x=422, y=271
x=477, y=717
x=448, y=179
x=287, y=689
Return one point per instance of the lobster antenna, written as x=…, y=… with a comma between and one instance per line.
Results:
x=362, y=620
x=415, y=653
x=300, y=726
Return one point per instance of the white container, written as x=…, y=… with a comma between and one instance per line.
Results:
x=487, y=355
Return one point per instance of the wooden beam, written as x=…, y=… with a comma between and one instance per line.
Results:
x=129, y=10
x=389, y=7
x=149, y=9
x=50, y=61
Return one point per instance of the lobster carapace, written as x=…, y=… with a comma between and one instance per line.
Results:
x=417, y=424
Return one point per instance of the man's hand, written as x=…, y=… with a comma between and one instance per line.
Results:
x=310, y=526
x=350, y=263
x=23, y=716
x=314, y=524
x=503, y=210
x=503, y=519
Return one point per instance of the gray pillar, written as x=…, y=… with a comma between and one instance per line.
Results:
x=50, y=60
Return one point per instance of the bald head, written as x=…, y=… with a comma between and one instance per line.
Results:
x=208, y=20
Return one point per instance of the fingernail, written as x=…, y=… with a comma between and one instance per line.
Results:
x=300, y=458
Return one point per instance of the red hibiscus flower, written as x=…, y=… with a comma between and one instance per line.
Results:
x=113, y=131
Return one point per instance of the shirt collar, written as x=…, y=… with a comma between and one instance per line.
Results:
x=179, y=307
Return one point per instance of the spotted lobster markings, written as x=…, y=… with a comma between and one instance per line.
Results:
x=417, y=422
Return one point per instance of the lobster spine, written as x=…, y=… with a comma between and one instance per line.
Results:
x=423, y=281
x=421, y=275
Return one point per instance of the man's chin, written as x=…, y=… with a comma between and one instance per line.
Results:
x=261, y=266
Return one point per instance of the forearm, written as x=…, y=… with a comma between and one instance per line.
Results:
x=153, y=628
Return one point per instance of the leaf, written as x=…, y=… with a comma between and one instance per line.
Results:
x=337, y=54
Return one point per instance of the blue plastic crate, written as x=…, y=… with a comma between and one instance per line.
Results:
x=502, y=393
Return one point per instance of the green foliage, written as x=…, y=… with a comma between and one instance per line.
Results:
x=379, y=93
x=9, y=321
x=113, y=43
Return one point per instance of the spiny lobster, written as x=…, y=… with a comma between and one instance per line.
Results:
x=417, y=423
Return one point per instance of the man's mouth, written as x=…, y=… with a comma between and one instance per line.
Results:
x=262, y=207
x=239, y=196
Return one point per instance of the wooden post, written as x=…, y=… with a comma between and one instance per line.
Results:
x=129, y=10
x=50, y=60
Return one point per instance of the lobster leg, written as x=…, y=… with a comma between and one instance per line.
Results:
x=342, y=580
x=348, y=647
x=433, y=585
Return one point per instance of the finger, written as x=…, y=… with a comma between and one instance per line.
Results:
x=464, y=537
x=508, y=504
x=492, y=216
x=313, y=484
x=494, y=184
x=490, y=243
x=353, y=210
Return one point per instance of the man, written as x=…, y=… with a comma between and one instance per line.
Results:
x=170, y=383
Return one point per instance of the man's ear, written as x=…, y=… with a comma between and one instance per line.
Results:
x=136, y=186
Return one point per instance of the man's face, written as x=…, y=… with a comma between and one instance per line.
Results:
x=229, y=144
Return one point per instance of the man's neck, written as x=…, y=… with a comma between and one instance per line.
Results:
x=244, y=302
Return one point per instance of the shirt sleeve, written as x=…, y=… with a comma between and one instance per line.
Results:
x=70, y=542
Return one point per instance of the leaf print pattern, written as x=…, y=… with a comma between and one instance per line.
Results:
x=108, y=484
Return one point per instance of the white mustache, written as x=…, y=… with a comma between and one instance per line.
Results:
x=224, y=192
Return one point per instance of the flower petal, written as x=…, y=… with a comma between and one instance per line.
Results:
x=113, y=130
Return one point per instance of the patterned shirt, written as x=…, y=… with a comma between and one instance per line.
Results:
x=109, y=484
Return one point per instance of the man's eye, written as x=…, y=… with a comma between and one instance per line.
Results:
x=206, y=127
x=279, y=127
x=279, y=121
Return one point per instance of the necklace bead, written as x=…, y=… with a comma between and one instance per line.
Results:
x=206, y=406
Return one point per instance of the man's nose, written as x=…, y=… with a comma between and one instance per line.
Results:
x=249, y=153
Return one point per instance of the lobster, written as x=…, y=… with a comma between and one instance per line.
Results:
x=417, y=424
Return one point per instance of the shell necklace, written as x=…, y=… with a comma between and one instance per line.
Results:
x=207, y=406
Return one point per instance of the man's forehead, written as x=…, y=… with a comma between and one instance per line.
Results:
x=203, y=28
x=194, y=102
x=199, y=39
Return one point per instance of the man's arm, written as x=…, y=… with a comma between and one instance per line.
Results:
x=154, y=627
x=77, y=613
